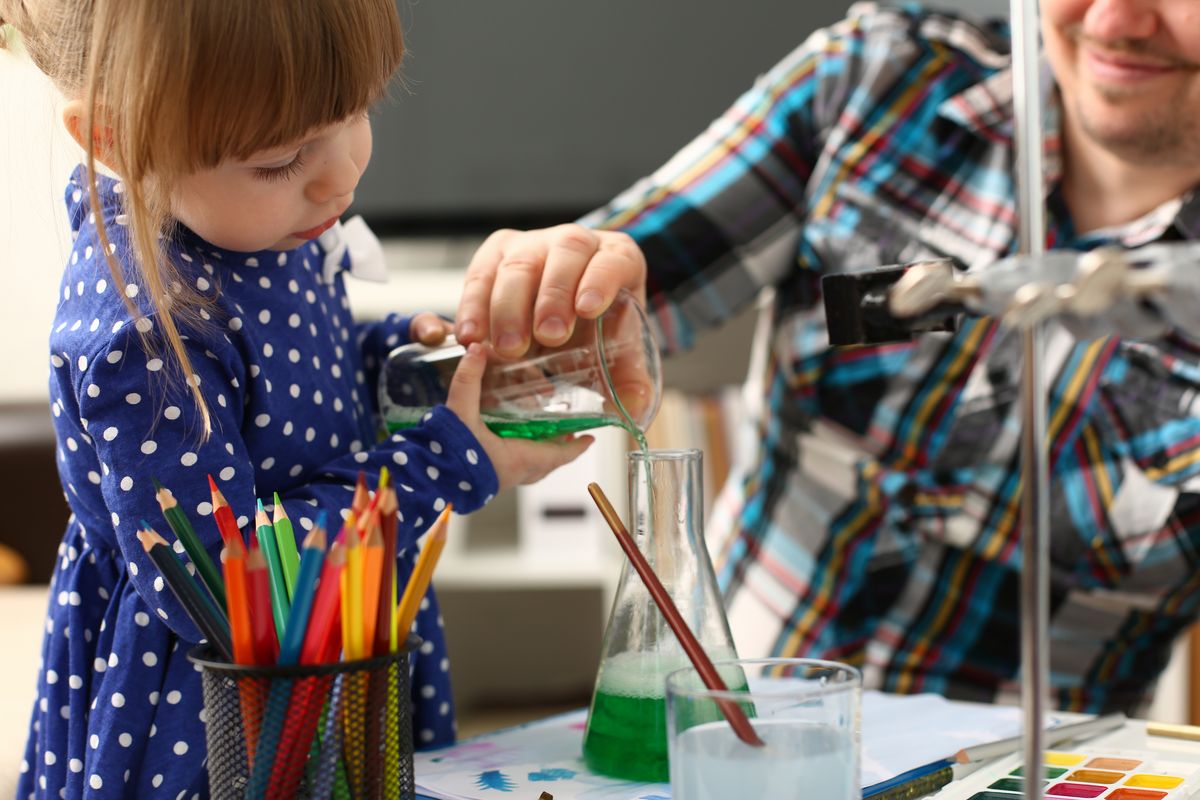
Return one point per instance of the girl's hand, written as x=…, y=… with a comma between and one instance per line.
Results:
x=524, y=285
x=429, y=329
x=516, y=461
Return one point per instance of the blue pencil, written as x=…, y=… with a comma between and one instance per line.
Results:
x=311, y=559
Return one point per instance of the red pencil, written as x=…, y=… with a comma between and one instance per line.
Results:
x=384, y=627
x=226, y=522
x=319, y=639
x=262, y=624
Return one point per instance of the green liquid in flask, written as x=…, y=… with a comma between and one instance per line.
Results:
x=627, y=728
x=522, y=427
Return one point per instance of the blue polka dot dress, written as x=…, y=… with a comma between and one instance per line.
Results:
x=289, y=378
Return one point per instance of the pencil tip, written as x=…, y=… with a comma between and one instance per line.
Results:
x=316, y=538
x=158, y=487
x=212, y=485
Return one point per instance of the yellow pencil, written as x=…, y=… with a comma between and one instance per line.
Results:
x=418, y=583
x=353, y=598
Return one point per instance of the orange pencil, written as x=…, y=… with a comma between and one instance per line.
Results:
x=241, y=626
x=418, y=582
x=233, y=561
x=266, y=644
x=226, y=522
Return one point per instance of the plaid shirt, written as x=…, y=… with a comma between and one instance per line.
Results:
x=879, y=523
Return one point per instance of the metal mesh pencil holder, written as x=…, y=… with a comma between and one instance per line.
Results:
x=341, y=730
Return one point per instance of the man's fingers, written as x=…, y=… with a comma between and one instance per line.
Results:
x=618, y=264
x=571, y=250
x=463, y=397
x=517, y=278
x=472, y=320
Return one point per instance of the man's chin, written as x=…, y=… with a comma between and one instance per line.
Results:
x=1138, y=140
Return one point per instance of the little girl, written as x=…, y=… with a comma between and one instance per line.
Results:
x=203, y=329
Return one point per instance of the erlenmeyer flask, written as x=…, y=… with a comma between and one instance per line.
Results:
x=627, y=724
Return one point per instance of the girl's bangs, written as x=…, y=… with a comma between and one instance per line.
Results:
x=282, y=69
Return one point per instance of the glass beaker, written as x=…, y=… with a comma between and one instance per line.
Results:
x=607, y=373
x=807, y=713
x=626, y=733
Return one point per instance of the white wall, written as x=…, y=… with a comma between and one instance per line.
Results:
x=37, y=159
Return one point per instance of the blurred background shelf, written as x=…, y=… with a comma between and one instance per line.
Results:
x=529, y=111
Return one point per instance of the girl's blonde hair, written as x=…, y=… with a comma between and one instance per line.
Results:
x=186, y=84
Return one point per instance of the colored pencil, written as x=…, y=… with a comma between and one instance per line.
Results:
x=265, y=532
x=362, y=496
x=197, y=604
x=262, y=623
x=734, y=714
x=385, y=622
x=1063, y=733
x=182, y=527
x=331, y=747
x=352, y=622
x=385, y=625
x=325, y=608
x=238, y=566
x=233, y=560
x=372, y=558
x=226, y=523
x=306, y=581
x=418, y=582
x=1168, y=730
x=285, y=538
x=302, y=714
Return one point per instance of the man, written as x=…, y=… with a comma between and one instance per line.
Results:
x=880, y=525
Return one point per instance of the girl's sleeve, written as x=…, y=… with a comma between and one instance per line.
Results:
x=144, y=424
x=723, y=218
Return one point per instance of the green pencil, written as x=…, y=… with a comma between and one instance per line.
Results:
x=280, y=607
x=285, y=537
x=191, y=543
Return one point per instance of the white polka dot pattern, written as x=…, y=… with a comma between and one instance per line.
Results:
x=119, y=705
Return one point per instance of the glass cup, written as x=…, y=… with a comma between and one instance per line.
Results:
x=607, y=373
x=807, y=713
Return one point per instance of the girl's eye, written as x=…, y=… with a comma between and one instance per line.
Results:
x=280, y=173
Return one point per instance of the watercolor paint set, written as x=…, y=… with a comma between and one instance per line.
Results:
x=1104, y=775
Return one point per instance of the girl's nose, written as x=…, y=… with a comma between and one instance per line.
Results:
x=1116, y=20
x=337, y=178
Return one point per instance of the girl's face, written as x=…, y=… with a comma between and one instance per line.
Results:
x=280, y=198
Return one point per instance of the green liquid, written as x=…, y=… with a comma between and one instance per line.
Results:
x=524, y=428
x=627, y=737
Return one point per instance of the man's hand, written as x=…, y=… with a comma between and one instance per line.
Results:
x=526, y=285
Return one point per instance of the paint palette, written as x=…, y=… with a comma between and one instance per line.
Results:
x=1107, y=775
